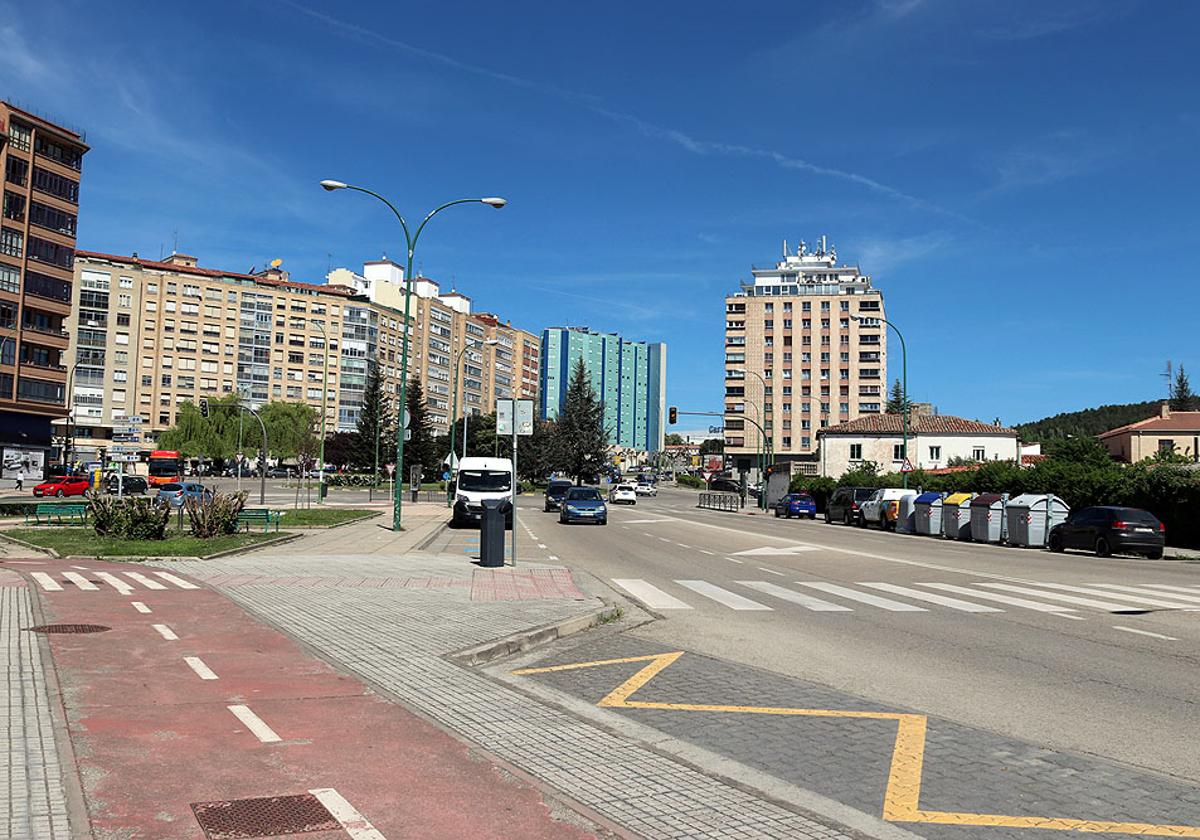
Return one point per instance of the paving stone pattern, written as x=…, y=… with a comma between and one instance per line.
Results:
x=965, y=769
x=397, y=640
x=32, y=800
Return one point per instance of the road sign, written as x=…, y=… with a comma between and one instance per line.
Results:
x=450, y=461
x=524, y=417
x=907, y=466
x=123, y=419
x=407, y=419
x=445, y=475
x=504, y=417
x=124, y=459
x=408, y=434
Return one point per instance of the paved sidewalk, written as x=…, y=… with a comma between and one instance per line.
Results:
x=375, y=536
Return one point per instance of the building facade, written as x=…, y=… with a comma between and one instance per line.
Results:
x=805, y=348
x=630, y=377
x=933, y=441
x=1171, y=431
x=42, y=163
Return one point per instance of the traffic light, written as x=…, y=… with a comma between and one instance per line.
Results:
x=204, y=407
x=673, y=415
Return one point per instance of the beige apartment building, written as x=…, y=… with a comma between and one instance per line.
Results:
x=805, y=348
x=147, y=336
x=1170, y=431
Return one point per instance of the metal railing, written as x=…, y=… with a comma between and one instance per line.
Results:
x=721, y=501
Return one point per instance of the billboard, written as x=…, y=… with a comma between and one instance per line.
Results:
x=24, y=463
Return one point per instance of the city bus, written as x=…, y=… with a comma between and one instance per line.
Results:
x=166, y=467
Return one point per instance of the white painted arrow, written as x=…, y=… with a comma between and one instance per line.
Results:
x=772, y=551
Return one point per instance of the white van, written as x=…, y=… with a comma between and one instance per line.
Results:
x=479, y=479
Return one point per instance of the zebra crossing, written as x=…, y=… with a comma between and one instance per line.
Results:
x=123, y=582
x=976, y=597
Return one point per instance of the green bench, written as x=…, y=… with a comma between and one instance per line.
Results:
x=263, y=516
x=57, y=510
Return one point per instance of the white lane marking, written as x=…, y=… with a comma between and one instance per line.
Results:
x=80, y=581
x=1171, y=588
x=1145, y=633
x=140, y=607
x=663, y=539
x=1068, y=615
x=115, y=582
x=624, y=527
x=941, y=600
x=202, y=670
x=81, y=568
x=722, y=596
x=178, y=581
x=541, y=545
x=149, y=583
x=166, y=632
x=735, y=560
x=1162, y=592
x=1067, y=599
x=772, y=551
x=705, y=551
x=863, y=597
x=1001, y=599
x=552, y=557
x=255, y=724
x=356, y=824
x=645, y=521
x=1161, y=601
x=48, y=583
x=644, y=534
x=770, y=571
x=650, y=595
x=803, y=600
x=682, y=545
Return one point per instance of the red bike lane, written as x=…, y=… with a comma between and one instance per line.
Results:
x=188, y=711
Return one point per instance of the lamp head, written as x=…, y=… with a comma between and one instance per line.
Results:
x=855, y=318
x=330, y=186
x=495, y=202
x=491, y=342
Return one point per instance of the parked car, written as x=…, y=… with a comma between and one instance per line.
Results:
x=796, y=504
x=583, y=504
x=176, y=494
x=646, y=488
x=882, y=507
x=556, y=491
x=623, y=494
x=724, y=485
x=843, y=505
x=66, y=485
x=280, y=472
x=128, y=484
x=1109, y=530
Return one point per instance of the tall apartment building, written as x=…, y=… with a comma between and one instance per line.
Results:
x=41, y=163
x=494, y=360
x=804, y=349
x=150, y=335
x=630, y=377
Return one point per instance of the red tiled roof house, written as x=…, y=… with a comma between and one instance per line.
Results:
x=933, y=440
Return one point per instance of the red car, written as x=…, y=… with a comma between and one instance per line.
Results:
x=67, y=485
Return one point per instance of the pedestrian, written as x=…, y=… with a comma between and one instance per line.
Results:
x=20, y=481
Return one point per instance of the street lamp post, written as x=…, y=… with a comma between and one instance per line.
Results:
x=903, y=387
x=411, y=242
x=770, y=455
x=324, y=412
x=491, y=342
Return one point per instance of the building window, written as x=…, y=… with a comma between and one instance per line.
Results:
x=19, y=135
x=977, y=454
x=10, y=279
x=16, y=171
x=1166, y=445
x=935, y=453
x=55, y=185
x=855, y=450
x=12, y=242
x=50, y=252
x=898, y=452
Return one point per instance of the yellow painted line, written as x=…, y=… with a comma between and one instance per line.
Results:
x=902, y=798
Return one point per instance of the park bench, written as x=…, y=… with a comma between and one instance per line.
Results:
x=255, y=516
x=58, y=510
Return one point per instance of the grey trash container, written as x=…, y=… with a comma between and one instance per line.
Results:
x=927, y=510
x=906, y=519
x=1032, y=515
x=491, y=532
x=956, y=516
x=987, y=518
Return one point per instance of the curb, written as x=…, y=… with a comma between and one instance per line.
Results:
x=172, y=558
x=5, y=537
x=527, y=639
x=369, y=515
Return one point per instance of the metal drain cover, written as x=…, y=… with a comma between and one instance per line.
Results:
x=69, y=628
x=267, y=816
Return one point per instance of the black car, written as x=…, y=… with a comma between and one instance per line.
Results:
x=1110, y=530
x=555, y=493
x=724, y=485
x=129, y=484
x=843, y=504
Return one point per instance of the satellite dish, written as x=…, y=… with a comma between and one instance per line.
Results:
x=275, y=263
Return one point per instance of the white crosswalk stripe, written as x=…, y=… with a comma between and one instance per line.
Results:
x=941, y=600
x=1167, y=588
x=1108, y=606
x=862, y=597
x=815, y=604
x=46, y=582
x=145, y=581
x=722, y=596
x=178, y=581
x=1161, y=601
x=80, y=581
x=1000, y=599
x=115, y=582
x=651, y=595
x=121, y=584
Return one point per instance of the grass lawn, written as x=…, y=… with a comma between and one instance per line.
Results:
x=83, y=541
x=314, y=516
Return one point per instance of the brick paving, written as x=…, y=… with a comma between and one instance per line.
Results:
x=398, y=640
x=32, y=799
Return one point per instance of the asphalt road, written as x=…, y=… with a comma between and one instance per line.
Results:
x=1047, y=649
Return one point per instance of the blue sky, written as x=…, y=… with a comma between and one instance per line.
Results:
x=1019, y=178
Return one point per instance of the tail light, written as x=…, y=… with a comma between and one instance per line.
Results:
x=1120, y=526
x=1162, y=529
x=854, y=506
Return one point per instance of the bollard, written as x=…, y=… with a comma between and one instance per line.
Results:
x=491, y=532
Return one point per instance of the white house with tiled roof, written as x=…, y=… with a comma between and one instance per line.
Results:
x=933, y=440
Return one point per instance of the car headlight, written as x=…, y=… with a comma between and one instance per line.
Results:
x=460, y=498
x=571, y=508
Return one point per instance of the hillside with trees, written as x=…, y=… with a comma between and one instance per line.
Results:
x=1089, y=421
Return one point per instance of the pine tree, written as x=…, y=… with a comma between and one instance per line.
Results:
x=421, y=448
x=580, y=441
x=375, y=425
x=1182, y=398
x=895, y=403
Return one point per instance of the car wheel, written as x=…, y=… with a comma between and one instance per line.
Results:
x=776, y=513
x=846, y=519
x=1056, y=543
x=828, y=521
x=59, y=493
x=1102, y=547
x=862, y=521
x=1156, y=554
x=813, y=516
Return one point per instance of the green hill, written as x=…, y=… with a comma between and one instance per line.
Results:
x=1090, y=421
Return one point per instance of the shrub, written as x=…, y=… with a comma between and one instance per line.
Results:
x=130, y=519
x=684, y=480
x=104, y=511
x=216, y=515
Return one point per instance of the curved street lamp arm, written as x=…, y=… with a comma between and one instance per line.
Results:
x=410, y=240
x=437, y=210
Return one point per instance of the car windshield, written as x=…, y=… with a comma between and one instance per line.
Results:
x=558, y=487
x=484, y=481
x=170, y=488
x=578, y=494
x=626, y=487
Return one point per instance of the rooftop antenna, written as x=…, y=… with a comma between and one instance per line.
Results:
x=329, y=270
x=175, y=243
x=785, y=253
x=1170, y=377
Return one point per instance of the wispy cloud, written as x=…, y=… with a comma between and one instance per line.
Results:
x=1054, y=18
x=634, y=310
x=884, y=255
x=15, y=54
x=1052, y=157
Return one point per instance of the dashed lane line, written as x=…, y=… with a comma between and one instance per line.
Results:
x=1107, y=606
x=166, y=632
x=202, y=670
x=355, y=824
x=791, y=596
x=255, y=724
x=139, y=606
x=735, y=560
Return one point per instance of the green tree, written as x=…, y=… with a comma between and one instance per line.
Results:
x=375, y=429
x=895, y=403
x=211, y=438
x=420, y=449
x=1182, y=398
x=290, y=429
x=712, y=446
x=580, y=440
x=536, y=453
x=674, y=439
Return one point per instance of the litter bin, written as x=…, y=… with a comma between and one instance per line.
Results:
x=988, y=520
x=491, y=532
x=956, y=516
x=322, y=490
x=927, y=514
x=1032, y=515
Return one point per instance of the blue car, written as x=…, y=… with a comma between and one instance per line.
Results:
x=175, y=494
x=583, y=504
x=796, y=504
